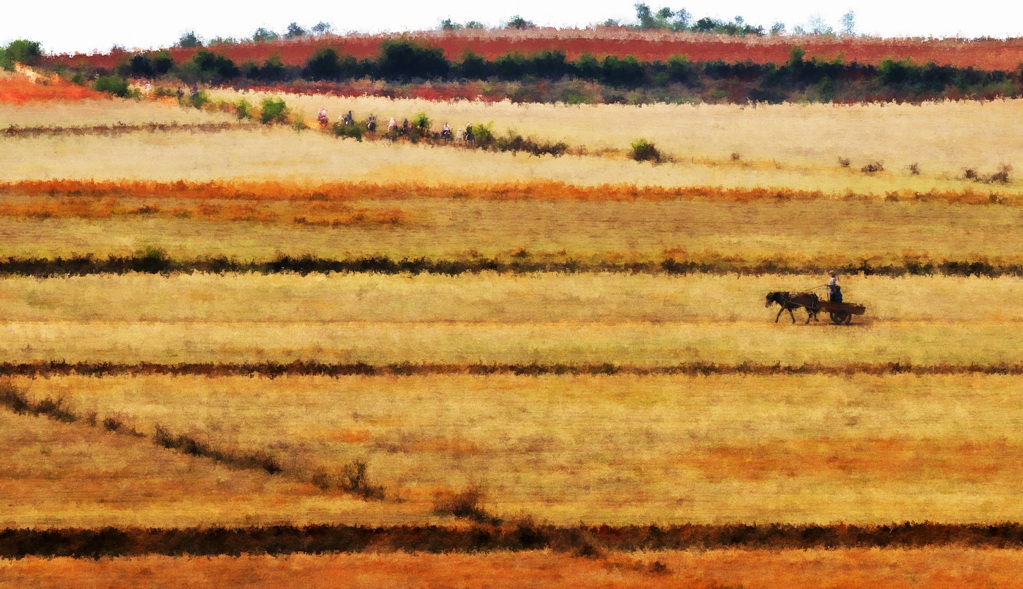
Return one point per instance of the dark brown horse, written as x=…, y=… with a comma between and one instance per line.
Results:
x=793, y=300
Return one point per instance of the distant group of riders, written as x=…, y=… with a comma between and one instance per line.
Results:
x=404, y=129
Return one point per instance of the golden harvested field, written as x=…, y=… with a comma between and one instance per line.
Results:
x=931, y=568
x=311, y=156
x=943, y=138
x=641, y=320
x=448, y=433
x=639, y=344
x=55, y=475
x=488, y=298
x=835, y=233
x=616, y=449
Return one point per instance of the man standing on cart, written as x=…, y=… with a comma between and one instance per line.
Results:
x=834, y=291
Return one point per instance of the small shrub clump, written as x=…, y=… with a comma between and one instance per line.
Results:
x=465, y=504
x=112, y=85
x=873, y=167
x=273, y=110
x=483, y=135
x=514, y=142
x=645, y=151
x=343, y=131
x=352, y=479
x=243, y=108
x=1002, y=176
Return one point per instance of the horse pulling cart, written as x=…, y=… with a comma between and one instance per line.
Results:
x=840, y=313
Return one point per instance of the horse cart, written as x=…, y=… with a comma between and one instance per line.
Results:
x=840, y=313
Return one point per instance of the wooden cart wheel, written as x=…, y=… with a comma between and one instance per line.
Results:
x=840, y=317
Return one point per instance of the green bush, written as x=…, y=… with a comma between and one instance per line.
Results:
x=401, y=59
x=681, y=69
x=517, y=22
x=196, y=99
x=645, y=151
x=627, y=71
x=421, y=125
x=273, y=70
x=189, y=40
x=515, y=142
x=264, y=35
x=243, y=108
x=112, y=85
x=162, y=63
x=273, y=110
x=472, y=66
x=343, y=131
x=214, y=67
x=323, y=65
x=21, y=51
x=484, y=134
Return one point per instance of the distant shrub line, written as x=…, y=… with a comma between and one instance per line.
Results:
x=156, y=261
x=15, y=401
x=587, y=541
x=402, y=61
x=423, y=131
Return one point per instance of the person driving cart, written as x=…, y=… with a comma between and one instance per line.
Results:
x=834, y=290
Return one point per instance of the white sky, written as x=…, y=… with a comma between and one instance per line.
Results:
x=96, y=25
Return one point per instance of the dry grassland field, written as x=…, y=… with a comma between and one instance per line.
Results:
x=940, y=568
x=205, y=323
x=821, y=232
x=638, y=320
x=934, y=135
x=618, y=450
x=777, y=146
x=68, y=475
